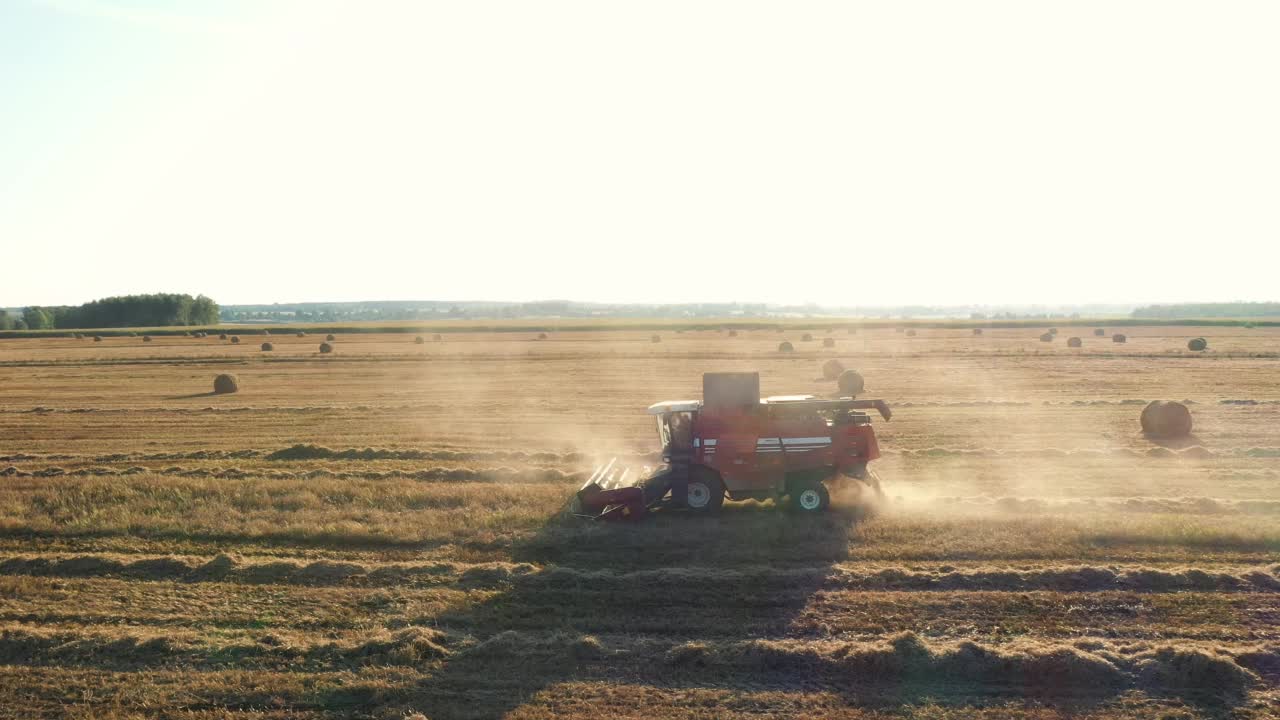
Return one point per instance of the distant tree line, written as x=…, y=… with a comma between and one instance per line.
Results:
x=157, y=310
x=432, y=310
x=1209, y=310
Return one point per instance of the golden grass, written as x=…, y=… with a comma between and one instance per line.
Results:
x=168, y=553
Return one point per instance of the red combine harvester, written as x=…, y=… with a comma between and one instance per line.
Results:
x=733, y=443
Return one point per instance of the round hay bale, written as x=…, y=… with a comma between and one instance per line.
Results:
x=1053, y=331
x=1118, y=338
x=1047, y=337
x=828, y=342
x=330, y=338
x=235, y=339
x=785, y=347
x=542, y=336
x=225, y=384
x=655, y=338
x=1100, y=332
x=97, y=338
x=831, y=369
x=268, y=347
x=1197, y=344
x=733, y=333
x=301, y=334
x=419, y=340
x=977, y=331
x=911, y=333
x=1166, y=419
x=437, y=337
x=807, y=337
x=1075, y=342
x=325, y=348
x=850, y=383
x=146, y=338
x=223, y=336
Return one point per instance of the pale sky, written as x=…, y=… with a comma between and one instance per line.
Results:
x=835, y=152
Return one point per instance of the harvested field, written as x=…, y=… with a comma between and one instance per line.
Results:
x=380, y=531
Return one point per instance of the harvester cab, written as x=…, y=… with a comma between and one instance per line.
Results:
x=735, y=444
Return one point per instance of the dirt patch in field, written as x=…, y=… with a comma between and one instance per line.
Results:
x=1171, y=505
x=1190, y=452
x=1070, y=579
x=1265, y=661
x=556, y=646
x=409, y=646
x=135, y=649
x=504, y=474
x=1194, y=672
x=906, y=661
x=307, y=451
x=1062, y=579
x=228, y=568
x=1209, y=674
x=325, y=572
x=23, y=646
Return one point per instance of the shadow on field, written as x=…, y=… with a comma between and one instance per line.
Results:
x=689, y=608
x=615, y=596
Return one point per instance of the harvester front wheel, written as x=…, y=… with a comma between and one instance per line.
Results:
x=706, y=493
x=809, y=496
